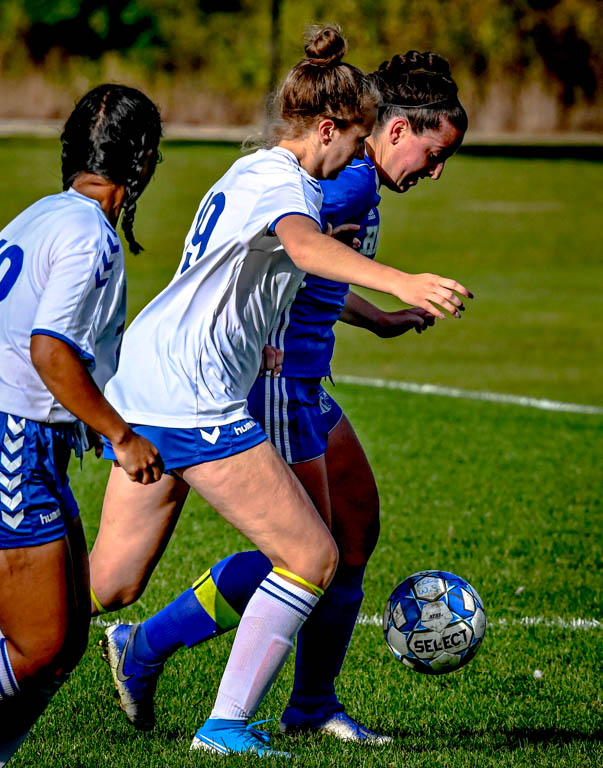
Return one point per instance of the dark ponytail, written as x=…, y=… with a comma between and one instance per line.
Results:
x=420, y=87
x=114, y=132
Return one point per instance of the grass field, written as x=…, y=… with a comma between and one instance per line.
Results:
x=508, y=497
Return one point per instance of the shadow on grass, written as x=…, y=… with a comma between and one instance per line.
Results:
x=506, y=738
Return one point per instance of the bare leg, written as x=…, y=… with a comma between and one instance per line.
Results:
x=313, y=476
x=34, y=605
x=257, y=493
x=44, y=615
x=354, y=496
x=136, y=525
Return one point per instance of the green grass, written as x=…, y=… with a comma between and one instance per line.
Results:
x=523, y=235
x=506, y=496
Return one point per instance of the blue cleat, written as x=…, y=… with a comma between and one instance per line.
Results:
x=340, y=725
x=224, y=737
x=134, y=681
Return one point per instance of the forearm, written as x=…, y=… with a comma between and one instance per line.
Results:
x=318, y=254
x=360, y=313
x=326, y=257
x=68, y=380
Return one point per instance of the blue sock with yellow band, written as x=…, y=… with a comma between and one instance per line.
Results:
x=212, y=606
x=322, y=645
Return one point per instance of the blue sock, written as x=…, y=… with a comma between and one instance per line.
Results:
x=212, y=606
x=322, y=643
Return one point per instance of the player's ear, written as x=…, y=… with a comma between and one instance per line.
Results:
x=399, y=129
x=326, y=128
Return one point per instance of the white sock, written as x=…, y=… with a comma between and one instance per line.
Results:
x=8, y=681
x=269, y=624
x=19, y=710
x=9, y=688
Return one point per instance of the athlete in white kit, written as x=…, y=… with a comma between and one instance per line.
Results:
x=192, y=355
x=62, y=314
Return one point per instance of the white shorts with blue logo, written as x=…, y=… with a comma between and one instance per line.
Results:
x=35, y=496
x=296, y=414
x=180, y=448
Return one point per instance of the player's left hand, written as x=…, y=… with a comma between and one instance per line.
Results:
x=95, y=442
x=272, y=360
x=345, y=234
x=393, y=324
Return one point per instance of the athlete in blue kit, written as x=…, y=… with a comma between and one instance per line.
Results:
x=420, y=125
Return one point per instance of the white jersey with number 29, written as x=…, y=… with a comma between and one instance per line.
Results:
x=190, y=357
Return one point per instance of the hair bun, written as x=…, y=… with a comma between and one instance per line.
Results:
x=325, y=45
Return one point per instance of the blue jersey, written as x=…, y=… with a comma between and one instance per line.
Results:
x=305, y=329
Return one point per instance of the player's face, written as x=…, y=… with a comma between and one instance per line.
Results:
x=344, y=146
x=417, y=156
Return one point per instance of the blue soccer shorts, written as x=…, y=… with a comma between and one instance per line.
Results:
x=296, y=414
x=181, y=448
x=35, y=496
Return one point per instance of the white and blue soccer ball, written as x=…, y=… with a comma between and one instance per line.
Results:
x=434, y=622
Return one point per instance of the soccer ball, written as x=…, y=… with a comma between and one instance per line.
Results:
x=434, y=622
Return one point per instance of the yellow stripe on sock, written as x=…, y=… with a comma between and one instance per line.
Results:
x=294, y=577
x=208, y=594
x=99, y=606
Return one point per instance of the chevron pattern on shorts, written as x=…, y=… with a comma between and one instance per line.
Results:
x=10, y=477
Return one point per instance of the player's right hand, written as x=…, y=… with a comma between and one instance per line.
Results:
x=139, y=458
x=272, y=360
x=431, y=292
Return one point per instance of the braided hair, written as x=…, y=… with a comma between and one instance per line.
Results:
x=114, y=132
x=419, y=87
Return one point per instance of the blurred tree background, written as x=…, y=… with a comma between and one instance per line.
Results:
x=522, y=65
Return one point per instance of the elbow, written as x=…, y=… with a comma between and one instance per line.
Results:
x=39, y=353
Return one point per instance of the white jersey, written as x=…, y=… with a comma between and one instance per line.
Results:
x=61, y=274
x=189, y=359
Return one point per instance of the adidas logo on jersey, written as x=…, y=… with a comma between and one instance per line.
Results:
x=245, y=428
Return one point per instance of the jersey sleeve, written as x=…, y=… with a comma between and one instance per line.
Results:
x=286, y=192
x=72, y=303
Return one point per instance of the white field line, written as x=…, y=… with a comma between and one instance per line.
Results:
x=524, y=621
x=468, y=394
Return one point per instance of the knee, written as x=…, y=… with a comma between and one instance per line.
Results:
x=318, y=563
x=43, y=654
x=357, y=535
x=114, y=589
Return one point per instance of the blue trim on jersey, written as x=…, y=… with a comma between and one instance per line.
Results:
x=292, y=213
x=87, y=358
x=305, y=331
x=180, y=448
